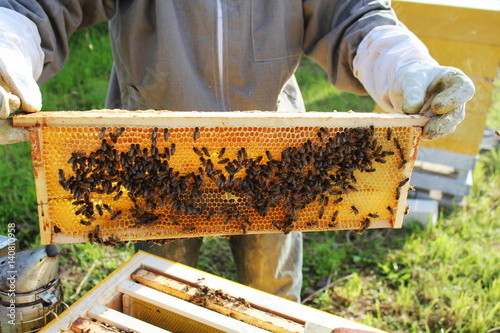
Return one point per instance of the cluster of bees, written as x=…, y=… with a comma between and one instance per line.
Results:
x=104, y=328
x=322, y=171
x=206, y=295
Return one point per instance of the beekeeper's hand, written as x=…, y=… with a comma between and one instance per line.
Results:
x=21, y=62
x=437, y=91
x=398, y=72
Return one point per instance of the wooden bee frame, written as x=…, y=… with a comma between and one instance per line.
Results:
x=111, y=175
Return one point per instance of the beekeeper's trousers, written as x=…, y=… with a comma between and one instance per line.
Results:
x=268, y=262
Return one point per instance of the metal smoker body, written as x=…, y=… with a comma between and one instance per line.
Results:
x=29, y=289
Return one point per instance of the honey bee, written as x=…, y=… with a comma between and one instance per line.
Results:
x=269, y=156
x=166, y=134
x=117, y=197
x=338, y=200
x=188, y=229
x=389, y=134
x=246, y=219
x=403, y=182
x=320, y=136
x=222, y=152
x=402, y=164
x=85, y=222
x=166, y=153
x=101, y=133
x=321, y=212
x=62, y=178
x=197, y=151
x=173, y=219
x=132, y=197
x=396, y=142
x=99, y=209
x=325, y=131
x=276, y=225
x=115, y=214
x=120, y=131
x=113, y=137
x=111, y=241
x=334, y=216
x=154, y=134
x=211, y=212
x=80, y=210
x=94, y=235
x=106, y=206
x=196, y=134
x=244, y=153
x=365, y=223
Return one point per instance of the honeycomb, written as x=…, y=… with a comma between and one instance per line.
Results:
x=110, y=176
x=168, y=320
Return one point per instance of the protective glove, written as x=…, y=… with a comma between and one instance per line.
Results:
x=397, y=71
x=21, y=62
x=437, y=91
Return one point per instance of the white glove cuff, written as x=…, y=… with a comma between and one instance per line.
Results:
x=20, y=36
x=381, y=54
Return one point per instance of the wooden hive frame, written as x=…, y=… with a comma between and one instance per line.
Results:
x=280, y=172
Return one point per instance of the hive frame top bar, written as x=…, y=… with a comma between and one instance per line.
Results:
x=224, y=119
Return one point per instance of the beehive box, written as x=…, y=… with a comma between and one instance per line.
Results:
x=109, y=176
x=152, y=295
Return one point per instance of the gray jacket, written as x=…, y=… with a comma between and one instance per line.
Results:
x=211, y=54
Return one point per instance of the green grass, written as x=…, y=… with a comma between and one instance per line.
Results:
x=17, y=197
x=322, y=96
x=443, y=278
x=82, y=83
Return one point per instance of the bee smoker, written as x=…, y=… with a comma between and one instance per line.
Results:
x=30, y=290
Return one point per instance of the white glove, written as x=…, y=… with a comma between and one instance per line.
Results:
x=397, y=71
x=437, y=91
x=21, y=63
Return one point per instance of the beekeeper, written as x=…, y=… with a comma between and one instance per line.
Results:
x=233, y=55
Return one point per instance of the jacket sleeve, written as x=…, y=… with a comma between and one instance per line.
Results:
x=333, y=31
x=56, y=21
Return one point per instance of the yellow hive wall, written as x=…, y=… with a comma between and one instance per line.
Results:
x=375, y=197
